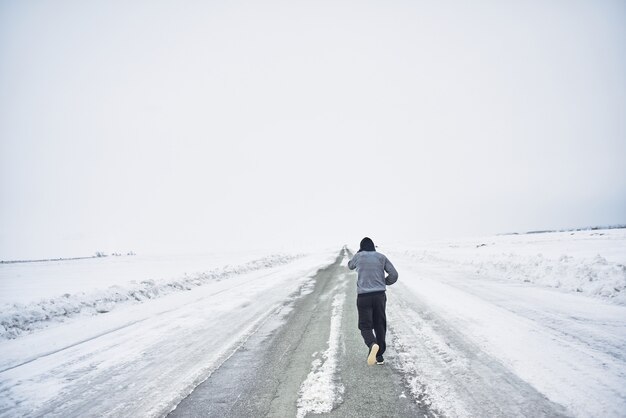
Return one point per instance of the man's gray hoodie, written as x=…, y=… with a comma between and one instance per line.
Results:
x=371, y=267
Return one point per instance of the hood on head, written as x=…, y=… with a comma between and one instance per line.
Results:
x=367, y=245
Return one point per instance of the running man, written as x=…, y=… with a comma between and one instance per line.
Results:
x=371, y=284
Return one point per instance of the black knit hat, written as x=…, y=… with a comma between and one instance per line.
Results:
x=367, y=245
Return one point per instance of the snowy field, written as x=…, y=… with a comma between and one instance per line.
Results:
x=550, y=308
x=508, y=325
x=36, y=294
x=589, y=262
x=142, y=357
x=31, y=281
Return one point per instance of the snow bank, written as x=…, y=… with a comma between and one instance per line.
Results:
x=592, y=276
x=595, y=276
x=592, y=263
x=30, y=282
x=17, y=318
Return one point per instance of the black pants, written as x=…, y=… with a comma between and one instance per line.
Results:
x=372, y=318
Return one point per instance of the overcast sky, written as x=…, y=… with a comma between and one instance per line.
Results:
x=160, y=126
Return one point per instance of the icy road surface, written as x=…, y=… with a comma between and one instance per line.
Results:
x=306, y=368
x=314, y=364
x=142, y=359
x=283, y=342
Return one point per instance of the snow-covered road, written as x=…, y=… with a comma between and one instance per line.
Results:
x=142, y=359
x=313, y=365
x=473, y=344
x=468, y=336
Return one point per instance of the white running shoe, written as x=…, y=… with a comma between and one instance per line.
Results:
x=371, y=358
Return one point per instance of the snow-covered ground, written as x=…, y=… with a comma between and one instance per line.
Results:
x=511, y=325
x=37, y=294
x=142, y=358
x=588, y=262
x=479, y=322
x=32, y=281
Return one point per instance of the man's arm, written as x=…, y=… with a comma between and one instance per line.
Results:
x=392, y=275
x=352, y=262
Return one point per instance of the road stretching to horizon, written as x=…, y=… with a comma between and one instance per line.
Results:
x=284, y=342
x=264, y=377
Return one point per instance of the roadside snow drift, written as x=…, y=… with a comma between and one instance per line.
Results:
x=16, y=318
x=514, y=325
x=588, y=262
